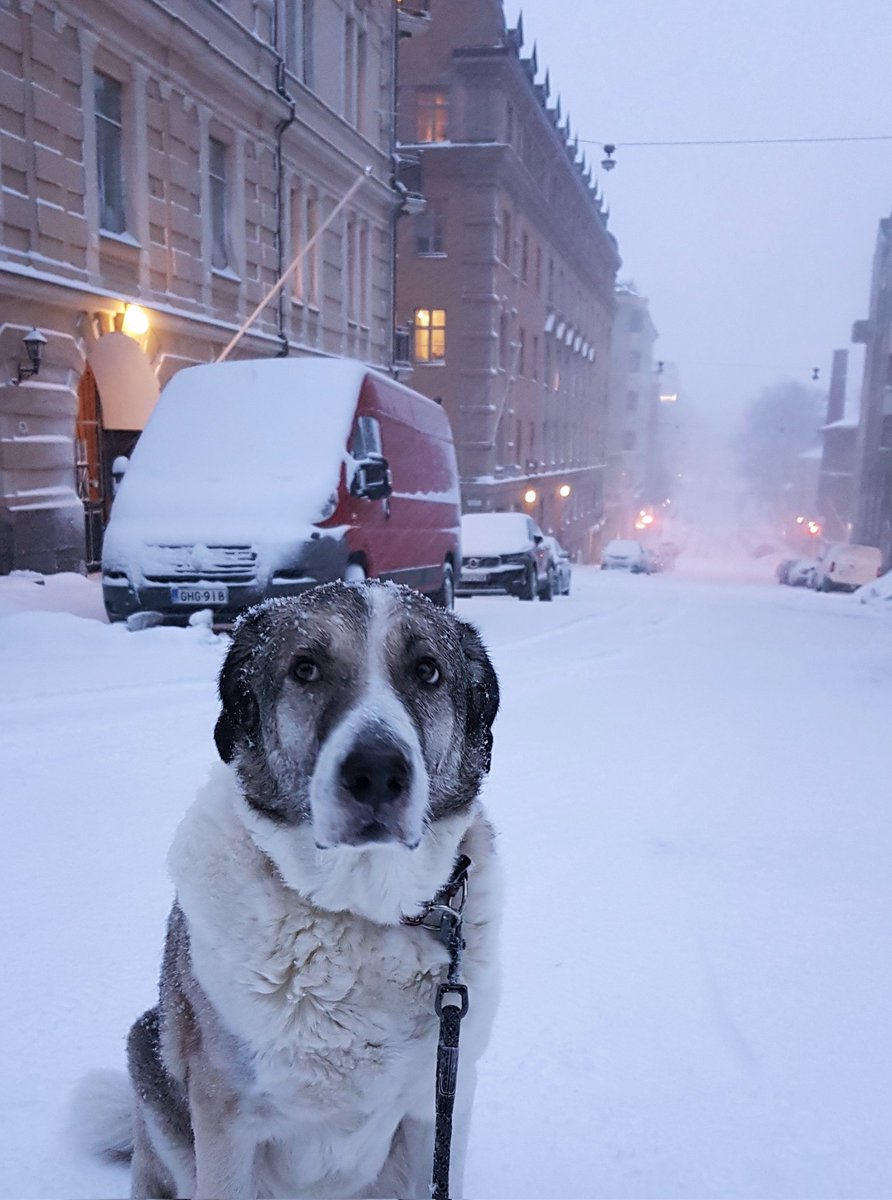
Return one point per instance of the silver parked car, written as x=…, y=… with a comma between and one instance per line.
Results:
x=623, y=554
x=560, y=566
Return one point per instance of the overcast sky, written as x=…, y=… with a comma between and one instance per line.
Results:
x=756, y=259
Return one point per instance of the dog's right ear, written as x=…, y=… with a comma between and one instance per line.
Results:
x=239, y=710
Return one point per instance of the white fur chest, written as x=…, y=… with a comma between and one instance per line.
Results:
x=333, y=1011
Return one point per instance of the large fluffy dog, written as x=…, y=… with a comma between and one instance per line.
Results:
x=293, y=1048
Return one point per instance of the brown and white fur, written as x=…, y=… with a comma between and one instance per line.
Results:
x=292, y=1049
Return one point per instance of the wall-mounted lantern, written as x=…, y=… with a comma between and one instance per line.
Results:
x=34, y=344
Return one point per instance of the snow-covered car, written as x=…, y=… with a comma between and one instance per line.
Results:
x=782, y=570
x=844, y=567
x=560, y=561
x=623, y=554
x=504, y=552
x=654, y=560
x=802, y=572
x=878, y=592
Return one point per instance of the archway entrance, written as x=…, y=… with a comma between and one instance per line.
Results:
x=115, y=395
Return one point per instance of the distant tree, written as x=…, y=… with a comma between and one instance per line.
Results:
x=776, y=429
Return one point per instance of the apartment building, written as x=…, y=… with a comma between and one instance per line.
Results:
x=161, y=163
x=873, y=523
x=505, y=279
x=633, y=410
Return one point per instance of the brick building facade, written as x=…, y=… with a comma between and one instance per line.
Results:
x=506, y=279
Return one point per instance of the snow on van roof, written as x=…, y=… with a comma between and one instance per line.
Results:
x=233, y=448
x=494, y=533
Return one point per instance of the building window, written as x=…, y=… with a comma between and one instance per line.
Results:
x=634, y=361
x=219, y=203
x=631, y=401
x=628, y=440
x=506, y=237
x=304, y=226
x=525, y=256
x=429, y=228
x=354, y=72
x=535, y=358
x=431, y=115
x=430, y=335
x=521, y=352
x=503, y=342
x=108, y=95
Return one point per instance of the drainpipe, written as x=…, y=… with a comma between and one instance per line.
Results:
x=280, y=181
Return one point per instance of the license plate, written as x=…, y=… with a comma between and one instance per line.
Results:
x=201, y=596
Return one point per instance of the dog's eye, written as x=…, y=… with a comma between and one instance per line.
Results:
x=305, y=670
x=428, y=671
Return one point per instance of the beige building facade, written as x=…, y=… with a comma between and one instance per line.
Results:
x=505, y=280
x=161, y=163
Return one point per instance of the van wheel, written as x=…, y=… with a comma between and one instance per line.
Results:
x=445, y=597
x=354, y=572
x=528, y=591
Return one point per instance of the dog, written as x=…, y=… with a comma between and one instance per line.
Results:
x=292, y=1049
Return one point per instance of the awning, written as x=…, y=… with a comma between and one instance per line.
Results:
x=128, y=389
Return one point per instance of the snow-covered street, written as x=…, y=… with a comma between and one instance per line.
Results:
x=690, y=780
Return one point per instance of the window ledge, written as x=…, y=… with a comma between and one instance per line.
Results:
x=120, y=239
x=226, y=273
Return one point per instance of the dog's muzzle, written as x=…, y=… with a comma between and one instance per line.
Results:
x=374, y=788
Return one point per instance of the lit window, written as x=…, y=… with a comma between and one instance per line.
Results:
x=430, y=334
x=109, y=157
x=431, y=113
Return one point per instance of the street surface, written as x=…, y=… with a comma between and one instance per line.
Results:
x=691, y=785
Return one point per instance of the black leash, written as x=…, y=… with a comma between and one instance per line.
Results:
x=443, y=917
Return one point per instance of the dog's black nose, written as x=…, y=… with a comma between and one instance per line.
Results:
x=376, y=772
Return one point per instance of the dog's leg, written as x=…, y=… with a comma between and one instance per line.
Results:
x=149, y=1178
x=225, y=1150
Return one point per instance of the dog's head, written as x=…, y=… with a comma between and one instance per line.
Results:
x=364, y=710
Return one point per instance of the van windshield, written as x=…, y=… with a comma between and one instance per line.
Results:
x=241, y=450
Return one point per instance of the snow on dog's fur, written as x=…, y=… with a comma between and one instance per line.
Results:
x=292, y=1049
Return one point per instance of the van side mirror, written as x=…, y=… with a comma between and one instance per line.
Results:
x=372, y=480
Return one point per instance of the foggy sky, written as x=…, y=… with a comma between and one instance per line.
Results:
x=756, y=259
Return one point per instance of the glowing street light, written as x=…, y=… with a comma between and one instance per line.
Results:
x=136, y=321
x=530, y=496
x=564, y=491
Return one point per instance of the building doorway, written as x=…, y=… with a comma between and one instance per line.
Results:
x=96, y=449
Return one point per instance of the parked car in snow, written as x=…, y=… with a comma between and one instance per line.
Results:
x=263, y=478
x=654, y=560
x=782, y=570
x=505, y=552
x=623, y=554
x=844, y=567
x=560, y=561
x=878, y=592
x=802, y=572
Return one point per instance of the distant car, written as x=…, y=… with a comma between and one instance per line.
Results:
x=844, y=567
x=878, y=592
x=560, y=561
x=782, y=570
x=505, y=552
x=802, y=572
x=654, y=560
x=622, y=554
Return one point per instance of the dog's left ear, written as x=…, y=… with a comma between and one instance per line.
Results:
x=483, y=692
x=239, y=710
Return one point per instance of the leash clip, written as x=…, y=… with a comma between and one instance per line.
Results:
x=452, y=995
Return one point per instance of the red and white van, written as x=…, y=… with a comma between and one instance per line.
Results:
x=261, y=478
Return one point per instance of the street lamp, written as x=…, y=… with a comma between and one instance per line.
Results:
x=34, y=344
x=564, y=491
x=136, y=321
x=530, y=496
